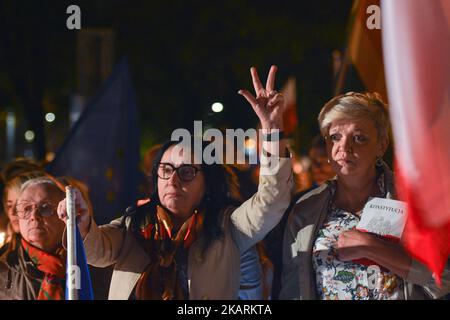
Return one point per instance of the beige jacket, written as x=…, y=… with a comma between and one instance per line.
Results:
x=216, y=275
x=305, y=219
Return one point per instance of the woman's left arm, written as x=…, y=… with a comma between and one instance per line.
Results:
x=354, y=244
x=262, y=212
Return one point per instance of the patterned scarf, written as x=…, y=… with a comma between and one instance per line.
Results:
x=53, y=267
x=162, y=279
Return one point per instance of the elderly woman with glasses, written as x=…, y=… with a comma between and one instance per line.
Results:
x=185, y=242
x=36, y=269
x=324, y=256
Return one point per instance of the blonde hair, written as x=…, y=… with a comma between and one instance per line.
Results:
x=17, y=183
x=355, y=106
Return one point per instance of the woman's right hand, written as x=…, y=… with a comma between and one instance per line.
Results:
x=268, y=104
x=81, y=207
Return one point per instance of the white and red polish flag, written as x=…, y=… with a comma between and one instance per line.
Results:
x=416, y=47
x=290, y=119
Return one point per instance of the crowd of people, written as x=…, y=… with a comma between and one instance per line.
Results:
x=213, y=231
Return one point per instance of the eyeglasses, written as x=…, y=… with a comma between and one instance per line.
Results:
x=24, y=209
x=185, y=172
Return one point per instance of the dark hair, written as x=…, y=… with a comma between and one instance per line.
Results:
x=18, y=167
x=222, y=191
x=318, y=142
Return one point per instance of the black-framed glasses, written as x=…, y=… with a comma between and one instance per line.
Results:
x=44, y=209
x=185, y=172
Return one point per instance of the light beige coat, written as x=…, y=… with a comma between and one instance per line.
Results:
x=216, y=275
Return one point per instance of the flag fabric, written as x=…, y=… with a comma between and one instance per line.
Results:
x=102, y=148
x=363, y=54
x=290, y=119
x=365, y=50
x=82, y=278
x=416, y=44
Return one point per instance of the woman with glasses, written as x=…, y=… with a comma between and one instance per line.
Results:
x=36, y=269
x=185, y=242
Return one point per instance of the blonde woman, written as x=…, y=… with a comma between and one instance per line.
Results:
x=320, y=241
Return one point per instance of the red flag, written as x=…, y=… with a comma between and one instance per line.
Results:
x=290, y=112
x=364, y=48
x=416, y=45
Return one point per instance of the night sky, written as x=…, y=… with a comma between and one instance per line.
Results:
x=184, y=56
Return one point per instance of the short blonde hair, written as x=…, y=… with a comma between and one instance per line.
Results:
x=355, y=106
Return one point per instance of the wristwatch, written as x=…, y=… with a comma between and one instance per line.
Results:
x=274, y=136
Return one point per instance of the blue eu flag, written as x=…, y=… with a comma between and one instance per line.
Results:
x=82, y=276
x=102, y=148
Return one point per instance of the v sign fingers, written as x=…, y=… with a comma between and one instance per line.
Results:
x=259, y=90
x=268, y=104
x=271, y=79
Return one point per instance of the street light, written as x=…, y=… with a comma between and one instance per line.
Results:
x=50, y=117
x=10, y=134
x=217, y=107
x=29, y=136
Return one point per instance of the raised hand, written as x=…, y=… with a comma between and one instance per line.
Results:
x=81, y=207
x=268, y=103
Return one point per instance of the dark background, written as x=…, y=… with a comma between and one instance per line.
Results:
x=184, y=55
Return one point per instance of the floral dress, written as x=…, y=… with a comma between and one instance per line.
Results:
x=348, y=280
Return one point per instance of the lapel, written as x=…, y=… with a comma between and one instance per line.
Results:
x=128, y=269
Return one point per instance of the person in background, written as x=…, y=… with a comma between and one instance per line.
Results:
x=321, y=168
x=19, y=166
x=36, y=269
x=302, y=174
x=147, y=166
x=9, y=172
x=10, y=194
x=4, y=221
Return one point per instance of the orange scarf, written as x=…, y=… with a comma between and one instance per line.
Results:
x=161, y=278
x=53, y=267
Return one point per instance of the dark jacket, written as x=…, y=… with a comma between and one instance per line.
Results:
x=19, y=279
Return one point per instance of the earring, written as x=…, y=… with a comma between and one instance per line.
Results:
x=379, y=162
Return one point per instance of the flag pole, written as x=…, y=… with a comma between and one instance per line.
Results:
x=72, y=274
